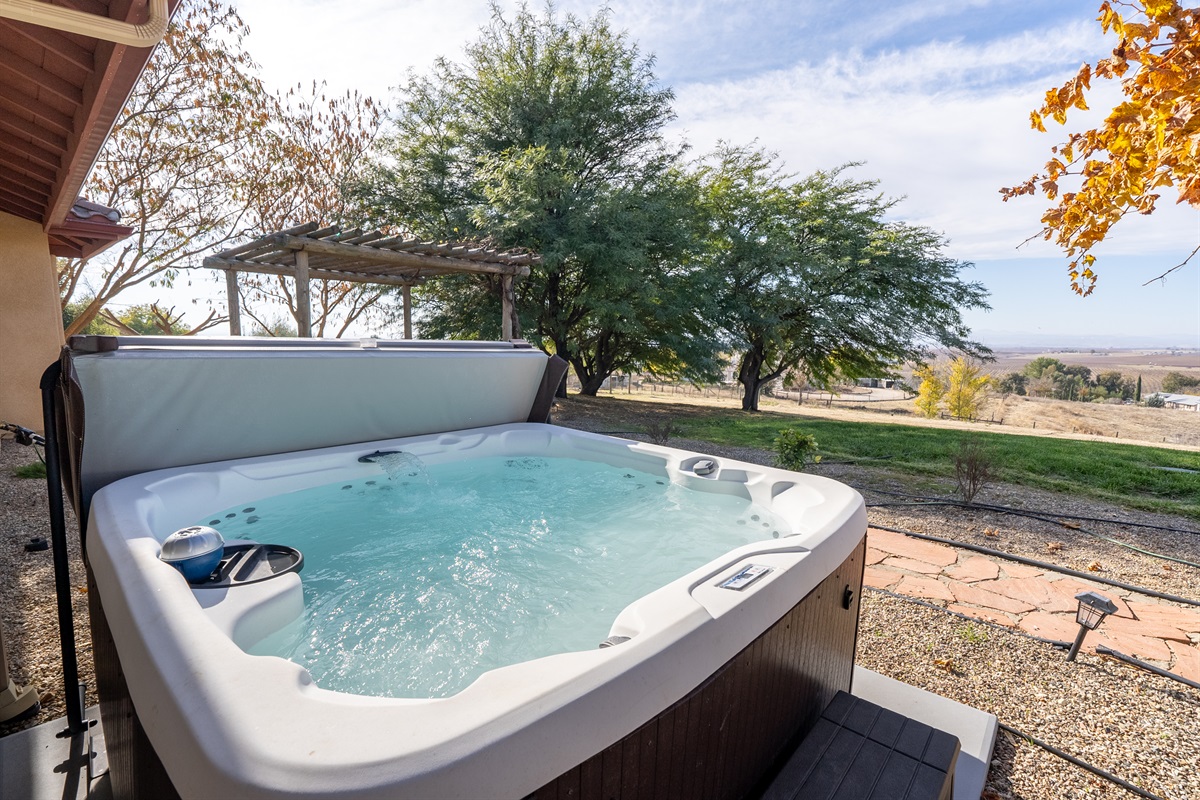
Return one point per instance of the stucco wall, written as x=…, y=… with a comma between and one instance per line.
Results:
x=30, y=318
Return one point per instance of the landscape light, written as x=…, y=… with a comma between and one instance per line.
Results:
x=1093, y=608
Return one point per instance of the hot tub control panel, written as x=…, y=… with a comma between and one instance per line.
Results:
x=745, y=577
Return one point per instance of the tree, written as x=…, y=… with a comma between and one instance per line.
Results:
x=1178, y=382
x=930, y=392
x=1146, y=143
x=549, y=136
x=1042, y=364
x=1012, y=383
x=966, y=388
x=202, y=153
x=323, y=139
x=814, y=279
x=1116, y=384
x=181, y=160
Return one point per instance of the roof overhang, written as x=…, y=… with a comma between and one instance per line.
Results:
x=60, y=94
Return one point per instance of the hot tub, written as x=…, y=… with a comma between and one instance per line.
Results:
x=708, y=678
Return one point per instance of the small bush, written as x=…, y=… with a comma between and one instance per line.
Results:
x=661, y=430
x=35, y=470
x=794, y=449
x=1155, y=401
x=972, y=469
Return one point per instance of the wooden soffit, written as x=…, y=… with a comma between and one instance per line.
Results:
x=60, y=94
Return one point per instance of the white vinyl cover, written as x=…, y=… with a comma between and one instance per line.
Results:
x=156, y=407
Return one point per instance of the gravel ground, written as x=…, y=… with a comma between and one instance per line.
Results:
x=28, y=610
x=1141, y=727
x=1136, y=725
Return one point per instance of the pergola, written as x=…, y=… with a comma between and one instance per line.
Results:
x=310, y=251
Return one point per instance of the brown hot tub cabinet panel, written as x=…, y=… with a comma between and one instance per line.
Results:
x=726, y=738
x=134, y=769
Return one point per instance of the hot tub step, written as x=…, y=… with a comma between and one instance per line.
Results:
x=861, y=751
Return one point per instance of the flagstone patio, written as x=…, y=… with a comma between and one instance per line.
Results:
x=1036, y=601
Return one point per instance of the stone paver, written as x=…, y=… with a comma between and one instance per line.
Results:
x=974, y=568
x=984, y=613
x=1187, y=660
x=1137, y=646
x=912, y=565
x=880, y=578
x=1014, y=570
x=1058, y=627
x=900, y=545
x=1071, y=586
x=1143, y=627
x=1039, y=602
x=1037, y=592
x=927, y=588
x=972, y=595
x=1186, y=619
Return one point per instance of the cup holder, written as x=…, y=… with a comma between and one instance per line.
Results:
x=246, y=563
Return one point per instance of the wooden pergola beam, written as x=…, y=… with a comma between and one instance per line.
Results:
x=311, y=252
x=229, y=265
x=398, y=258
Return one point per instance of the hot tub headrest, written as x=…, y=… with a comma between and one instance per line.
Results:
x=126, y=405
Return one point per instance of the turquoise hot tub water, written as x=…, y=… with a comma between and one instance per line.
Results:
x=420, y=579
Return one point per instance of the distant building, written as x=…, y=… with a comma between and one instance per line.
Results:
x=1190, y=402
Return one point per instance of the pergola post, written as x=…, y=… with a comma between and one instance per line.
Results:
x=234, y=303
x=303, y=296
x=507, y=301
x=407, y=293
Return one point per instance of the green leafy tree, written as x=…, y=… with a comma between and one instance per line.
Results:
x=815, y=279
x=1040, y=365
x=930, y=391
x=1179, y=382
x=1116, y=384
x=1012, y=383
x=966, y=388
x=549, y=136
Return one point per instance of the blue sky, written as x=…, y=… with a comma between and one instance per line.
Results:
x=934, y=97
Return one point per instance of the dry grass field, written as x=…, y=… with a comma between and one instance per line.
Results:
x=1036, y=416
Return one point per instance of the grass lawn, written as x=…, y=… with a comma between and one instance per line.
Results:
x=1125, y=474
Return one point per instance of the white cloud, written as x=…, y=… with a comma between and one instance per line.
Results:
x=945, y=124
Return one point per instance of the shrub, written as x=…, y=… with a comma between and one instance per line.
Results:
x=794, y=449
x=972, y=469
x=1155, y=401
x=660, y=431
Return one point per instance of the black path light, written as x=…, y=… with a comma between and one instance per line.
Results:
x=1093, y=608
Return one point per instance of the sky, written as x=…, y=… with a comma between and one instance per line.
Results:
x=933, y=98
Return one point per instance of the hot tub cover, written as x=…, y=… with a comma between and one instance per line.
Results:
x=127, y=405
